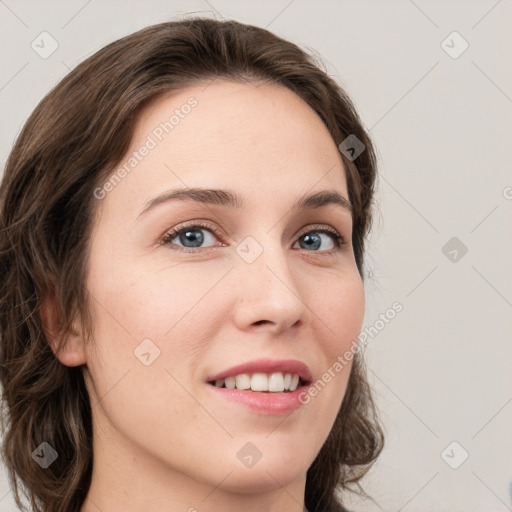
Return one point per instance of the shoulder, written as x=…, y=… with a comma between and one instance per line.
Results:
x=336, y=507
x=340, y=508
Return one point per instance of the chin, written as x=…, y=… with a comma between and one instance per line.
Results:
x=261, y=479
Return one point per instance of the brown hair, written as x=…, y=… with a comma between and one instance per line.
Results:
x=72, y=141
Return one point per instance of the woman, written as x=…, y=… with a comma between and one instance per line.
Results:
x=183, y=222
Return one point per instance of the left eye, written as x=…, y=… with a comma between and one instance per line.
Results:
x=193, y=237
x=313, y=240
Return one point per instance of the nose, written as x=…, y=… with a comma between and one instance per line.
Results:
x=269, y=292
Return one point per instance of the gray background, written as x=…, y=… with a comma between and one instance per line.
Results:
x=441, y=367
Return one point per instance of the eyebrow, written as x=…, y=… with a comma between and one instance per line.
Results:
x=232, y=199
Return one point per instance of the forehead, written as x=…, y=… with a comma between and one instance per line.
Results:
x=246, y=136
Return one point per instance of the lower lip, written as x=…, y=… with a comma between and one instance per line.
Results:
x=271, y=403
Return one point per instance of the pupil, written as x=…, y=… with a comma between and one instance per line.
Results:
x=195, y=236
x=312, y=241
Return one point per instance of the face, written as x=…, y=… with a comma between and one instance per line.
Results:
x=182, y=290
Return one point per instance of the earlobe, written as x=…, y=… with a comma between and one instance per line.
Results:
x=68, y=347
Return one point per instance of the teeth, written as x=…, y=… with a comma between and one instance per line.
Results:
x=276, y=382
x=259, y=382
x=243, y=381
x=295, y=382
x=230, y=382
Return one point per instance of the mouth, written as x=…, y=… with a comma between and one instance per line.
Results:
x=258, y=382
x=265, y=386
x=264, y=394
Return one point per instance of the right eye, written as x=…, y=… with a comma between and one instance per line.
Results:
x=191, y=236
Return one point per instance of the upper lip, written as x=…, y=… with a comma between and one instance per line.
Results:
x=267, y=366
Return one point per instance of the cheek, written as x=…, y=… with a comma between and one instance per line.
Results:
x=153, y=299
x=341, y=309
x=140, y=317
x=343, y=304
x=153, y=314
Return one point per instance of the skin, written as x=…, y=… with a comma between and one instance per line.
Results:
x=162, y=440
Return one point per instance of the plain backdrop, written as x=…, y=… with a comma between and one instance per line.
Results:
x=432, y=82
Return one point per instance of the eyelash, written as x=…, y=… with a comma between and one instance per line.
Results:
x=338, y=239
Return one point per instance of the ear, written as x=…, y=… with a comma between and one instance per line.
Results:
x=69, y=348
